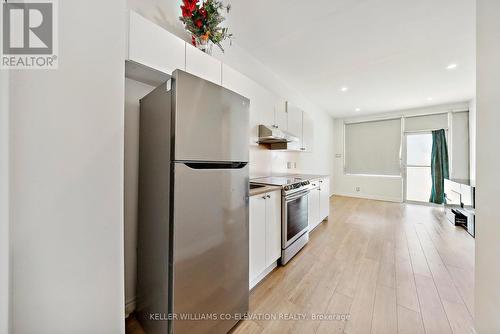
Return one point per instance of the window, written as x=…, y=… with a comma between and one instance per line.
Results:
x=418, y=167
x=373, y=148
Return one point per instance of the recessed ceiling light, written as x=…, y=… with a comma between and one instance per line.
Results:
x=344, y=89
x=451, y=66
x=357, y=109
x=429, y=98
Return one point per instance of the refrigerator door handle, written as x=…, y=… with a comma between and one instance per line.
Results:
x=216, y=165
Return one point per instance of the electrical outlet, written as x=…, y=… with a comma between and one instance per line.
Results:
x=338, y=155
x=291, y=165
x=358, y=189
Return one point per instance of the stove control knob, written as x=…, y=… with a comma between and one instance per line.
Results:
x=287, y=187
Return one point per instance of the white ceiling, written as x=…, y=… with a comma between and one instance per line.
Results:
x=391, y=54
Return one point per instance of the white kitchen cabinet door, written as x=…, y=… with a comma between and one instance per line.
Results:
x=261, y=100
x=324, y=200
x=235, y=81
x=273, y=227
x=153, y=46
x=294, y=126
x=203, y=65
x=313, y=206
x=294, y=119
x=307, y=133
x=281, y=116
x=257, y=236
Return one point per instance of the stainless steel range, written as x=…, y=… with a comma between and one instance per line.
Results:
x=294, y=213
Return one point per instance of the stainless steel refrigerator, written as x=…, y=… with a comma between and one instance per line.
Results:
x=192, y=271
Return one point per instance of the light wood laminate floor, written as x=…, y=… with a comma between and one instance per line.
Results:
x=392, y=268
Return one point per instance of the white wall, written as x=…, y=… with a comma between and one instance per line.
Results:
x=4, y=203
x=133, y=92
x=472, y=142
x=388, y=188
x=67, y=131
x=487, y=288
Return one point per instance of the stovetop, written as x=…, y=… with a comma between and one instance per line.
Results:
x=277, y=180
x=289, y=184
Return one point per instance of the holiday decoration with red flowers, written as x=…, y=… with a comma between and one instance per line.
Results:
x=202, y=20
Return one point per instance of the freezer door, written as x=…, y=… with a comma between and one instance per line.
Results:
x=210, y=245
x=210, y=122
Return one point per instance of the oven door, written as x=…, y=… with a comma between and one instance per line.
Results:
x=295, y=217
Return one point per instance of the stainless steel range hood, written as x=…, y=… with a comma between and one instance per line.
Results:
x=275, y=137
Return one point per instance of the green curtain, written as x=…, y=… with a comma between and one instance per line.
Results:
x=439, y=166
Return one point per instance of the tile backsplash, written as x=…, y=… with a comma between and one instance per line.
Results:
x=264, y=162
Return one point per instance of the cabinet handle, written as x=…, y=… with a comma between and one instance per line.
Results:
x=264, y=197
x=268, y=196
x=320, y=181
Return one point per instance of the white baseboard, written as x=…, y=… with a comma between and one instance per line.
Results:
x=129, y=307
x=266, y=272
x=374, y=197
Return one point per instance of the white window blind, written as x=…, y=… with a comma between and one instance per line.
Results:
x=426, y=122
x=373, y=148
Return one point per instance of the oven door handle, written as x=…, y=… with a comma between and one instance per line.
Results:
x=296, y=195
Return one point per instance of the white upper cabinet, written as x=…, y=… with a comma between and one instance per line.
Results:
x=239, y=83
x=280, y=115
x=300, y=124
x=307, y=133
x=294, y=115
x=235, y=81
x=153, y=46
x=262, y=106
x=203, y=65
x=262, y=101
x=294, y=120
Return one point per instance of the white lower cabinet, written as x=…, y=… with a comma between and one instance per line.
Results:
x=265, y=234
x=324, y=198
x=257, y=236
x=313, y=208
x=319, y=202
x=273, y=227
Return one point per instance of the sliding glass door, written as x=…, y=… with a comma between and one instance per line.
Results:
x=417, y=171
